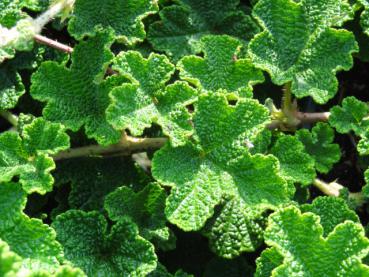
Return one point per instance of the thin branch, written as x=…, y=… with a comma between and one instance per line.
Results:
x=313, y=117
x=126, y=147
x=11, y=118
x=53, y=44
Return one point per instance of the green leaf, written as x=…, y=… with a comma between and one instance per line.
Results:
x=220, y=68
x=332, y=211
x=267, y=262
x=11, y=87
x=296, y=165
x=299, y=45
x=123, y=16
x=319, y=145
x=364, y=20
x=93, y=178
x=29, y=238
x=88, y=244
x=183, y=25
x=145, y=208
x=307, y=253
x=9, y=261
x=83, y=97
x=349, y=117
x=28, y=156
x=218, y=164
x=136, y=106
x=236, y=229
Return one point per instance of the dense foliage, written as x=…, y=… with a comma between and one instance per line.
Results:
x=184, y=138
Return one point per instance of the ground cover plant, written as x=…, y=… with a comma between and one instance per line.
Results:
x=184, y=138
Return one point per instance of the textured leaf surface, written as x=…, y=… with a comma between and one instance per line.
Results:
x=220, y=68
x=83, y=97
x=11, y=88
x=92, y=179
x=123, y=16
x=296, y=165
x=365, y=16
x=88, y=244
x=182, y=25
x=315, y=50
x=319, y=145
x=145, y=208
x=349, y=117
x=29, y=238
x=234, y=230
x=307, y=253
x=28, y=156
x=136, y=106
x=9, y=261
x=332, y=211
x=218, y=164
x=267, y=262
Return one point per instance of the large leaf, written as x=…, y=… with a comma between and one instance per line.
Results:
x=299, y=45
x=83, y=97
x=218, y=164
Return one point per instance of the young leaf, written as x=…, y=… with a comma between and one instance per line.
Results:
x=28, y=156
x=88, y=244
x=332, y=211
x=218, y=164
x=349, y=117
x=296, y=165
x=299, y=45
x=135, y=106
x=220, y=68
x=234, y=230
x=267, y=262
x=319, y=145
x=123, y=16
x=145, y=208
x=29, y=238
x=182, y=25
x=307, y=253
x=83, y=96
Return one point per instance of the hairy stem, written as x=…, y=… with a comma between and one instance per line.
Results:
x=128, y=146
x=11, y=118
x=313, y=117
x=53, y=44
x=330, y=189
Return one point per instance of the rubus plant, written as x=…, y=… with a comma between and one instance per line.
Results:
x=184, y=138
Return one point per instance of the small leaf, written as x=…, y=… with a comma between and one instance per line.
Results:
x=220, y=68
x=123, y=16
x=296, y=165
x=267, y=262
x=319, y=145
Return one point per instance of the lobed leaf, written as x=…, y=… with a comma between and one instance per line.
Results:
x=28, y=156
x=83, y=97
x=123, y=16
x=184, y=24
x=319, y=145
x=307, y=253
x=299, y=45
x=220, y=68
x=88, y=244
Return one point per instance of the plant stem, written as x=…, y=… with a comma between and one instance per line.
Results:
x=313, y=117
x=126, y=147
x=53, y=44
x=11, y=118
x=330, y=189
